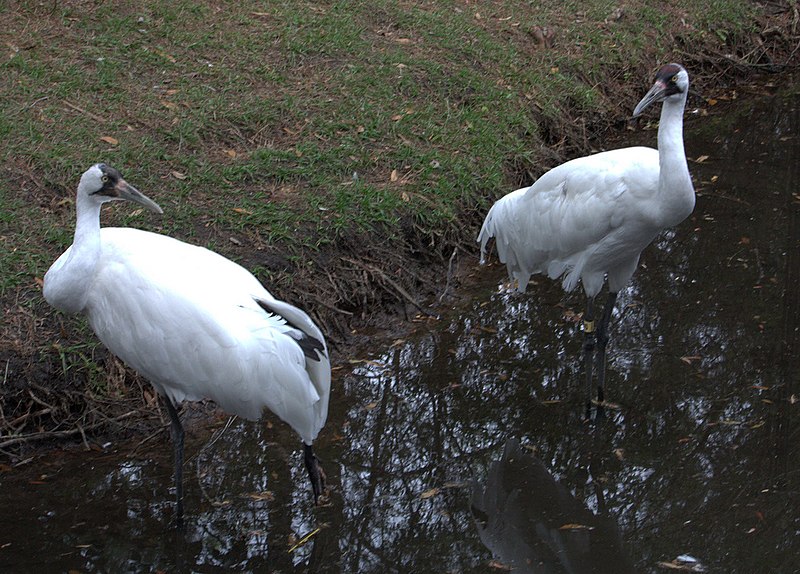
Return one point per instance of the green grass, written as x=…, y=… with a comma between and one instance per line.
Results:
x=302, y=125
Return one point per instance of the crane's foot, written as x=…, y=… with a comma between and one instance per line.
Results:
x=317, y=476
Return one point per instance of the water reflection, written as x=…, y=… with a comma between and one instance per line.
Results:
x=534, y=524
x=701, y=457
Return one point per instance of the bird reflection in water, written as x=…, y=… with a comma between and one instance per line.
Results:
x=533, y=523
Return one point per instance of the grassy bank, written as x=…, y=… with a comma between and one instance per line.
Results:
x=341, y=151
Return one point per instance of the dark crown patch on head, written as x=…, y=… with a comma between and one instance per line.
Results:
x=668, y=74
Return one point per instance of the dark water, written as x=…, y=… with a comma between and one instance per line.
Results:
x=463, y=449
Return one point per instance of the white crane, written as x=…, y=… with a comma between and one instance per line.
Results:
x=194, y=323
x=589, y=219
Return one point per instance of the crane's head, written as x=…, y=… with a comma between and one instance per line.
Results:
x=672, y=82
x=102, y=183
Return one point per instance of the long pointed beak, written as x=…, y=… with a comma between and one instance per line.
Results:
x=127, y=191
x=656, y=94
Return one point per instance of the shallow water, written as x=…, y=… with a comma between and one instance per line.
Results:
x=463, y=447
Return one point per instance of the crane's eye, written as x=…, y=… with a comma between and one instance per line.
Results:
x=104, y=179
x=674, y=79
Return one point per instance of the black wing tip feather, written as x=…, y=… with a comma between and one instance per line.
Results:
x=312, y=347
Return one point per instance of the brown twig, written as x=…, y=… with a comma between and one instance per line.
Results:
x=397, y=287
x=12, y=440
x=87, y=113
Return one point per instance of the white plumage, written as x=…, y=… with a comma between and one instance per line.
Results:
x=194, y=323
x=590, y=218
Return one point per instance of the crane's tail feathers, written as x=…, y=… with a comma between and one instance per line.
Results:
x=487, y=232
x=307, y=335
x=318, y=366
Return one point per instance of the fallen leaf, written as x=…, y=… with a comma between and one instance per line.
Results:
x=429, y=493
x=575, y=526
x=397, y=117
x=370, y=406
x=231, y=153
x=163, y=54
x=178, y=175
x=499, y=565
x=110, y=140
x=259, y=496
x=242, y=211
x=701, y=159
x=394, y=176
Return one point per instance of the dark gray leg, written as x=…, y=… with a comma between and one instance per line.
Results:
x=315, y=472
x=176, y=432
x=588, y=350
x=602, y=341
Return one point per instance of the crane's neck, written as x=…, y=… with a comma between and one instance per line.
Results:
x=87, y=226
x=674, y=181
x=670, y=133
x=67, y=282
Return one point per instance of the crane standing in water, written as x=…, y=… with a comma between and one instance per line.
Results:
x=194, y=323
x=589, y=219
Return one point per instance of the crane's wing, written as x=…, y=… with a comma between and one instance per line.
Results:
x=559, y=223
x=191, y=321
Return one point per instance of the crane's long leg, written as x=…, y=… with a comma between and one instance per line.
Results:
x=602, y=341
x=588, y=350
x=315, y=472
x=176, y=433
